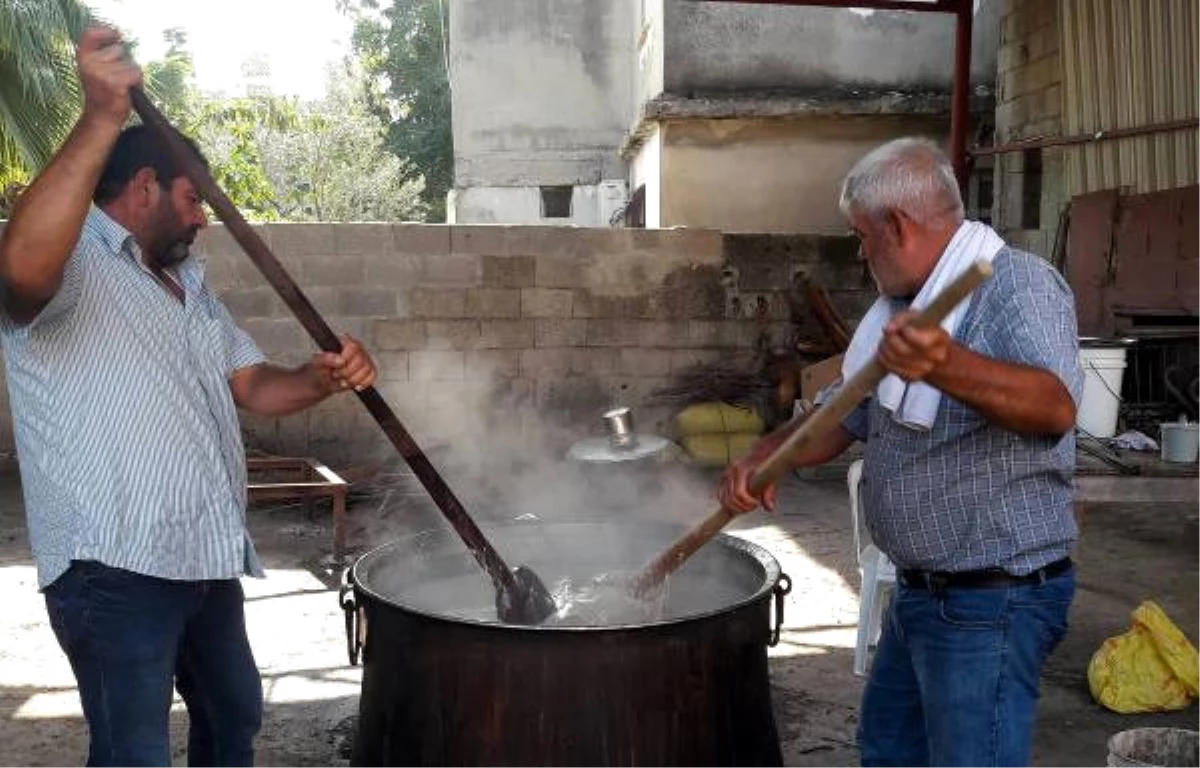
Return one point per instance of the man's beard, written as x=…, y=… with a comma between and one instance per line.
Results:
x=174, y=253
x=174, y=249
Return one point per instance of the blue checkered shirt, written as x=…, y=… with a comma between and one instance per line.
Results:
x=128, y=437
x=967, y=494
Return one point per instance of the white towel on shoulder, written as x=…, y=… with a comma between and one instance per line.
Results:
x=915, y=405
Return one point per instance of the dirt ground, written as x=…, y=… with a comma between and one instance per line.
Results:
x=1139, y=541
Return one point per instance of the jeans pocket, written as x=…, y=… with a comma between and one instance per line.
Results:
x=1046, y=606
x=974, y=608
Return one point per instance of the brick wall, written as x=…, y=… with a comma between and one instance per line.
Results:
x=1029, y=105
x=485, y=331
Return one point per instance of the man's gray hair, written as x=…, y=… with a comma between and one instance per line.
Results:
x=908, y=175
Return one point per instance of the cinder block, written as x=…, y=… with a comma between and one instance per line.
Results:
x=451, y=269
x=683, y=359
x=249, y=302
x=295, y=240
x=330, y=270
x=559, y=271
x=216, y=242
x=536, y=363
x=560, y=333
x=506, y=334
x=367, y=302
x=452, y=334
x=362, y=239
x=399, y=334
x=593, y=360
x=436, y=365
x=479, y=239
x=662, y=334
x=420, y=239
x=395, y=270
x=713, y=333
x=391, y=366
x=696, y=246
x=278, y=337
x=488, y=303
x=611, y=333
x=644, y=362
x=697, y=295
x=437, y=302
x=486, y=364
x=508, y=271
x=546, y=302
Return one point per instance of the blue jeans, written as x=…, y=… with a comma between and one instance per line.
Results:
x=130, y=637
x=955, y=677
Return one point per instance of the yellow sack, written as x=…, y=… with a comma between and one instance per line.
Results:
x=1150, y=668
x=717, y=418
x=718, y=450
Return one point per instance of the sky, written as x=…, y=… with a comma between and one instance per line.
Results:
x=298, y=38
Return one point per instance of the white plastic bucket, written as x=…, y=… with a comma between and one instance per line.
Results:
x=1104, y=369
x=1180, y=441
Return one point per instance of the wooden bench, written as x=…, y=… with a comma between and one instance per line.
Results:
x=278, y=478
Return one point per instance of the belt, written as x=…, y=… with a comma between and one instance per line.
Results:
x=937, y=581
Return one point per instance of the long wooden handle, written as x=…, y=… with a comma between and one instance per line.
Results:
x=819, y=423
x=485, y=554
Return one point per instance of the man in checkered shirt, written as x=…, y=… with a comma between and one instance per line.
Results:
x=973, y=503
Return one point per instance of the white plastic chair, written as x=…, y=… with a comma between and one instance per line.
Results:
x=876, y=571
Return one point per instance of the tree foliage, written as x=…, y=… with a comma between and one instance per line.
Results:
x=279, y=159
x=403, y=48
x=225, y=128
x=334, y=165
x=39, y=90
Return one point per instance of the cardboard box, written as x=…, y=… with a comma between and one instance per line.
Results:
x=817, y=376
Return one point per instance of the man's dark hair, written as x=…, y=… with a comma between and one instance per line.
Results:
x=138, y=147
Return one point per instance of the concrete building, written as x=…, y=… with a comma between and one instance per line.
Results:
x=731, y=116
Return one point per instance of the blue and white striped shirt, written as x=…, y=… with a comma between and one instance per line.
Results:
x=128, y=437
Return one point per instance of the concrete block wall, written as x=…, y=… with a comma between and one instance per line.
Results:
x=489, y=334
x=1029, y=105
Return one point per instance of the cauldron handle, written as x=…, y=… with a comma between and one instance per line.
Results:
x=350, y=607
x=782, y=587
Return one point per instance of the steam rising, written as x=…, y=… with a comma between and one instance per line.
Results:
x=505, y=459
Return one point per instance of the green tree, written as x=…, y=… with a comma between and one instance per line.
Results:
x=169, y=81
x=402, y=45
x=225, y=128
x=334, y=165
x=39, y=90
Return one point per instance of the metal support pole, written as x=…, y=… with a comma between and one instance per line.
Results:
x=961, y=91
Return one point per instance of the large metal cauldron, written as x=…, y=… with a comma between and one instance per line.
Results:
x=444, y=684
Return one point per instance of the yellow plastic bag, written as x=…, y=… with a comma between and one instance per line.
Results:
x=1150, y=668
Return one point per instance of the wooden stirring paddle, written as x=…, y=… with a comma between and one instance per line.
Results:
x=818, y=424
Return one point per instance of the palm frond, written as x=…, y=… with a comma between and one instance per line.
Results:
x=39, y=90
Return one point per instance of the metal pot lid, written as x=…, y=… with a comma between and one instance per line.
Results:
x=601, y=449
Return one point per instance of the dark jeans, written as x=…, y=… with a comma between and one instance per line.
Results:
x=129, y=637
x=955, y=676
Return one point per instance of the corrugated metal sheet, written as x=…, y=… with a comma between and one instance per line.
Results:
x=1126, y=64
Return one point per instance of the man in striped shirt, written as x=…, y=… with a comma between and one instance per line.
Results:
x=125, y=375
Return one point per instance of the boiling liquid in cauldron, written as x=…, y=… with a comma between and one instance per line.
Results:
x=605, y=600
x=598, y=601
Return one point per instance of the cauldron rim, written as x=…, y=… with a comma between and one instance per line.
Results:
x=771, y=576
